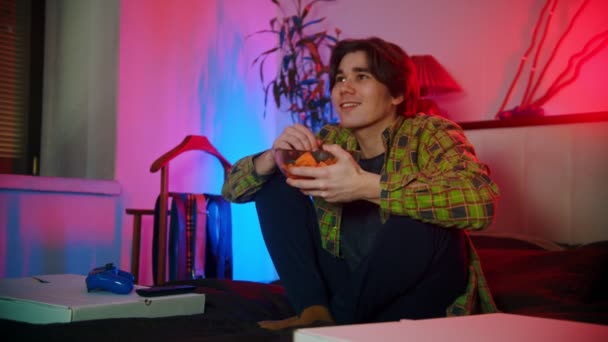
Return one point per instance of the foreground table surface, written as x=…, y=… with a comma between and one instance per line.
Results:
x=497, y=327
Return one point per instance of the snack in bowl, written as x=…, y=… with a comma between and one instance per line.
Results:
x=286, y=159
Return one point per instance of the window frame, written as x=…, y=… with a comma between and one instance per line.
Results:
x=30, y=111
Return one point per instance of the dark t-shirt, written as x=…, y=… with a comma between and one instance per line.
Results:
x=360, y=221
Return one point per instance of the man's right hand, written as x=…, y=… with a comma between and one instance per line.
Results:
x=295, y=137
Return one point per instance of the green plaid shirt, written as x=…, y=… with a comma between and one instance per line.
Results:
x=453, y=189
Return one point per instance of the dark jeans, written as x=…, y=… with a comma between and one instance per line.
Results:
x=414, y=270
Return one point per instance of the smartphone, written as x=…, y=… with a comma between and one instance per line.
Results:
x=156, y=291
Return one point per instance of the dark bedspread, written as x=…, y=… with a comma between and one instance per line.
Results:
x=524, y=278
x=232, y=310
x=570, y=284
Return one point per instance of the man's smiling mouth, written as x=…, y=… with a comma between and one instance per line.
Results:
x=349, y=104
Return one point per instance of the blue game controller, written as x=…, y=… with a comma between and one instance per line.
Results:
x=110, y=278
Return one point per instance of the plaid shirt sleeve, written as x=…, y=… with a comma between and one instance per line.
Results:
x=242, y=182
x=434, y=176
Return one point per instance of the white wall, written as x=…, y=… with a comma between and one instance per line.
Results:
x=185, y=69
x=481, y=43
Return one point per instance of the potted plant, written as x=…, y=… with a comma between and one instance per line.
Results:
x=301, y=84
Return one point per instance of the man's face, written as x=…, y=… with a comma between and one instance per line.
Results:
x=362, y=102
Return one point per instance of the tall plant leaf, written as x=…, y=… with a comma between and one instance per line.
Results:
x=264, y=54
x=301, y=78
x=276, y=92
x=313, y=22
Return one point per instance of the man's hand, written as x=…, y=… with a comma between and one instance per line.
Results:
x=341, y=182
x=295, y=137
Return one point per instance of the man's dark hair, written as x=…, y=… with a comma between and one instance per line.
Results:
x=388, y=63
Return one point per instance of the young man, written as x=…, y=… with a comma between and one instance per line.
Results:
x=384, y=236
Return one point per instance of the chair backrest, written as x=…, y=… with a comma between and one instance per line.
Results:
x=190, y=142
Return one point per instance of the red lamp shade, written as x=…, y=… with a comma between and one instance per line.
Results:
x=432, y=76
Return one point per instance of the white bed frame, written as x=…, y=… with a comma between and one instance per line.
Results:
x=553, y=180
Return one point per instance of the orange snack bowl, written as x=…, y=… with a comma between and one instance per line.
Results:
x=287, y=159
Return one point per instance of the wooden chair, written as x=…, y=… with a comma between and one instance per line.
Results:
x=190, y=142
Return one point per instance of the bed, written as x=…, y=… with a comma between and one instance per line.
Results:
x=551, y=261
x=527, y=277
